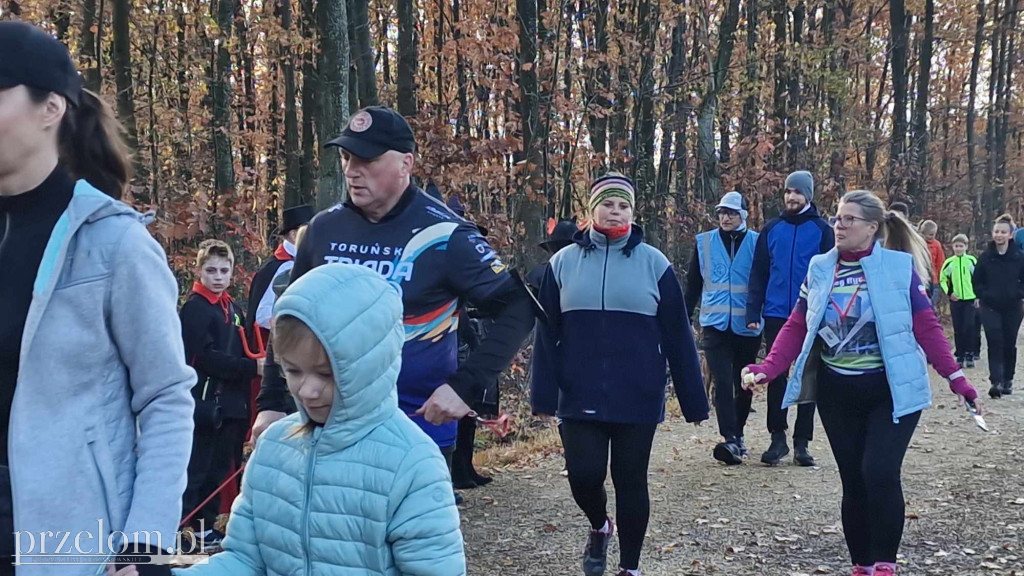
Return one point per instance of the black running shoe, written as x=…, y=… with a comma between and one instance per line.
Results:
x=728, y=453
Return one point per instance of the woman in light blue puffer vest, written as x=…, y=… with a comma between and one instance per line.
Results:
x=348, y=485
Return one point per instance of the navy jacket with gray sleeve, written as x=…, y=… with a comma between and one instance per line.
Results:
x=615, y=316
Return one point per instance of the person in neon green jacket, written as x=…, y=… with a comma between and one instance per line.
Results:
x=348, y=484
x=957, y=280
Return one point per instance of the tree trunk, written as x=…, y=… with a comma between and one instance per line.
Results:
x=600, y=85
x=897, y=147
x=780, y=16
x=619, y=132
x=531, y=195
x=363, y=51
x=333, y=87
x=353, y=74
x=749, y=122
x=708, y=182
x=220, y=91
x=462, y=121
x=154, y=147
x=408, y=58
x=183, y=144
x=972, y=139
x=122, y=57
x=62, y=20
x=87, y=45
x=643, y=158
x=293, y=156
x=920, y=136
x=989, y=204
x=248, y=108
x=796, y=138
x=1006, y=100
x=310, y=89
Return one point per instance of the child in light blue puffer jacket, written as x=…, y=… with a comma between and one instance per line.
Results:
x=348, y=485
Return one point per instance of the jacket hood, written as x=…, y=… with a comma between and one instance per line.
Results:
x=357, y=317
x=88, y=205
x=797, y=219
x=585, y=240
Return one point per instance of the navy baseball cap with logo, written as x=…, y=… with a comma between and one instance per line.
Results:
x=35, y=59
x=373, y=131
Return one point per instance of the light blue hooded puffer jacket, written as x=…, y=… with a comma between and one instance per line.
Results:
x=366, y=494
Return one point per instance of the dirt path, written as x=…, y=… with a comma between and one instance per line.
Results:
x=964, y=492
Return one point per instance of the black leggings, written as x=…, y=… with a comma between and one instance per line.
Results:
x=586, y=457
x=1001, y=328
x=727, y=354
x=869, y=447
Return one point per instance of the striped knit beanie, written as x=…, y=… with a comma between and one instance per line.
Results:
x=612, y=184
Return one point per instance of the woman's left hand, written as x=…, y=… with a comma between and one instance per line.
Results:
x=966, y=393
x=128, y=571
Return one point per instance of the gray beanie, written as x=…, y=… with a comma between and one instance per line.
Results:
x=803, y=183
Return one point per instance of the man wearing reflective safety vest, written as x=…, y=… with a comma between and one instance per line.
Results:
x=718, y=277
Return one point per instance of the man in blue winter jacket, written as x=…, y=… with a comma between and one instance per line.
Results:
x=783, y=252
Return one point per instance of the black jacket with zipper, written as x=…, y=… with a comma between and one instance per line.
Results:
x=999, y=278
x=213, y=347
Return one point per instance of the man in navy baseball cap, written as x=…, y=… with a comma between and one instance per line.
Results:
x=37, y=60
x=373, y=131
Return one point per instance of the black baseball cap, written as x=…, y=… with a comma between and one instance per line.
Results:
x=35, y=59
x=373, y=131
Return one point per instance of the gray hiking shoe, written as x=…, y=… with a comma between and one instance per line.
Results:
x=595, y=554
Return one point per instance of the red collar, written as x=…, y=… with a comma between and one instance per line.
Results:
x=223, y=298
x=616, y=232
x=282, y=254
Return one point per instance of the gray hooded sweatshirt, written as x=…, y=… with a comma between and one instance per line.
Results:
x=101, y=424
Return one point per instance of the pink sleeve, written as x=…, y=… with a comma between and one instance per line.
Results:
x=787, y=344
x=932, y=339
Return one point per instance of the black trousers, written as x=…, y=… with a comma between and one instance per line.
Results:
x=212, y=454
x=856, y=412
x=965, y=333
x=727, y=354
x=465, y=440
x=1001, y=328
x=778, y=417
x=586, y=446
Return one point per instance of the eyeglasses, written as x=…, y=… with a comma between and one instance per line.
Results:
x=846, y=220
x=727, y=212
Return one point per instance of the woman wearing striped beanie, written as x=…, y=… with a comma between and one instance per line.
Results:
x=615, y=315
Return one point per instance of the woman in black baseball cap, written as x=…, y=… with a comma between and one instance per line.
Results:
x=45, y=112
x=95, y=401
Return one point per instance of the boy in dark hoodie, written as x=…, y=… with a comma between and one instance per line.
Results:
x=210, y=327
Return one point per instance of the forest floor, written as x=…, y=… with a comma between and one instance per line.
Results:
x=964, y=490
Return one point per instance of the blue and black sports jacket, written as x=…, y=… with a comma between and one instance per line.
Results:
x=783, y=253
x=615, y=315
x=440, y=262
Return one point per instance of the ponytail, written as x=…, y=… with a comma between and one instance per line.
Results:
x=900, y=235
x=92, y=145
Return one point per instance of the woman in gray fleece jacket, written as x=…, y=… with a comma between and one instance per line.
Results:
x=94, y=388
